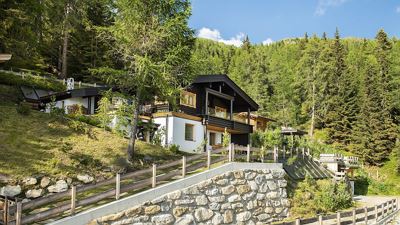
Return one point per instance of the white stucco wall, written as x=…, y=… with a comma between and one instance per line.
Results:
x=72, y=101
x=176, y=133
x=218, y=138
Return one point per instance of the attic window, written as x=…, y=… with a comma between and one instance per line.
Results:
x=188, y=99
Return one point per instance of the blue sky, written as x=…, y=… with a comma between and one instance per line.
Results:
x=271, y=20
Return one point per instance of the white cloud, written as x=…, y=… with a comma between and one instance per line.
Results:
x=398, y=9
x=268, y=41
x=323, y=5
x=215, y=35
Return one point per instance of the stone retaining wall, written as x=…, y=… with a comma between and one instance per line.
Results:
x=238, y=197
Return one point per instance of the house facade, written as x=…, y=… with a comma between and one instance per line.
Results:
x=206, y=109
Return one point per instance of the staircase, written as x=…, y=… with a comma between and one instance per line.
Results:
x=302, y=166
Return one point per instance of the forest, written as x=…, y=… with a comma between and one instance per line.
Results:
x=342, y=90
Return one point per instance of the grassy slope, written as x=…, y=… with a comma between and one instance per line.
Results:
x=41, y=144
x=380, y=181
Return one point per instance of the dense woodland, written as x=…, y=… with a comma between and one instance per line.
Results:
x=343, y=90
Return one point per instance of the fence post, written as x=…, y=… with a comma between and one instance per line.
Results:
x=73, y=199
x=18, y=215
x=230, y=152
x=338, y=218
x=233, y=152
x=284, y=151
x=354, y=216
x=183, y=166
x=80, y=84
x=376, y=213
x=366, y=215
x=383, y=209
x=320, y=220
x=208, y=159
x=117, y=186
x=5, y=210
x=262, y=154
x=298, y=222
x=248, y=152
x=153, y=179
x=297, y=151
x=308, y=151
x=302, y=152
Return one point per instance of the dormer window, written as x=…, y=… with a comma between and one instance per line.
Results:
x=188, y=99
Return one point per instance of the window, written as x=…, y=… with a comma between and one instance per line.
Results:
x=220, y=112
x=188, y=99
x=189, y=132
x=212, y=139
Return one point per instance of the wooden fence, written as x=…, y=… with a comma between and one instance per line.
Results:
x=70, y=201
x=378, y=214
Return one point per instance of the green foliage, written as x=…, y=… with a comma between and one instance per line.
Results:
x=271, y=138
x=291, y=160
x=104, y=109
x=31, y=81
x=226, y=138
x=322, y=196
x=23, y=108
x=174, y=148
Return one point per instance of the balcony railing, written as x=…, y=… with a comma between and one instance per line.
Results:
x=229, y=124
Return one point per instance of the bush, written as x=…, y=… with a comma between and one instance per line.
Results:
x=322, y=196
x=23, y=108
x=174, y=148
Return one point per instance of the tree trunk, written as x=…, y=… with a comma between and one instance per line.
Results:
x=65, y=44
x=134, y=125
x=311, y=133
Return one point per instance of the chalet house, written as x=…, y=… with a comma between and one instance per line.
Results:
x=208, y=107
x=211, y=104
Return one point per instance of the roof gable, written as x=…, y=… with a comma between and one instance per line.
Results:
x=224, y=78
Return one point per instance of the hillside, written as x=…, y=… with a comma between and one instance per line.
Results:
x=41, y=144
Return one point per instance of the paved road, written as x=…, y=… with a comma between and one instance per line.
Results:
x=372, y=200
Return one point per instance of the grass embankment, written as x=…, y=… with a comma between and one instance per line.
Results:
x=379, y=180
x=41, y=144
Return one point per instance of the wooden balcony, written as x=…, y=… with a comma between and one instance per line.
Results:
x=229, y=124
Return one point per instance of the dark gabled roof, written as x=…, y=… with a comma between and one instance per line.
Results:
x=224, y=78
x=75, y=93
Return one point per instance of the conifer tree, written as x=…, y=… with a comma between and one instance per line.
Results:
x=246, y=45
x=373, y=133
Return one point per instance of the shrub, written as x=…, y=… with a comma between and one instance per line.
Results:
x=174, y=148
x=23, y=108
x=322, y=196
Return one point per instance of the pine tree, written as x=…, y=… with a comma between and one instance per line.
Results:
x=374, y=131
x=342, y=101
x=246, y=45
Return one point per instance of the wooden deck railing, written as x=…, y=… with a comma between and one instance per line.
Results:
x=67, y=202
x=70, y=201
x=377, y=214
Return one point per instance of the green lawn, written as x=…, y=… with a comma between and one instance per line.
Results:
x=41, y=144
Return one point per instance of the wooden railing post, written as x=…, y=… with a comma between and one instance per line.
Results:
x=366, y=215
x=233, y=152
x=5, y=210
x=298, y=222
x=262, y=154
x=302, y=152
x=338, y=219
x=376, y=213
x=383, y=209
x=183, y=166
x=73, y=199
x=320, y=221
x=154, y=179
x=18, y=215
x=284, y=151
x=248, y=153
x=208, y=159
x=354, y=216
x=117, y=186
x=230, y=152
